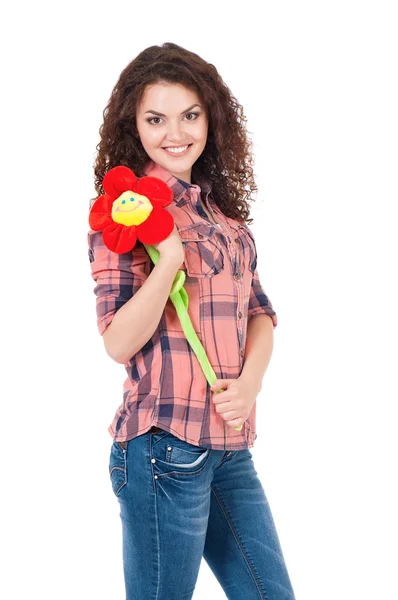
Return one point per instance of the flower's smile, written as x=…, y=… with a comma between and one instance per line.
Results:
x=118, y=209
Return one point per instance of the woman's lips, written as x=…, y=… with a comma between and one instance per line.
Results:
x=171, y=153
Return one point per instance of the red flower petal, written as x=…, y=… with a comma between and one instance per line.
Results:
x=101, y=213
x=156, y=228
x=158, y=192
x=118, y=180
x=119, y=238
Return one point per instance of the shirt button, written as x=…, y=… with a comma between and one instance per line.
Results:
x=237, y=275
x=237, y=240
x=239, y=315
x=153, y=460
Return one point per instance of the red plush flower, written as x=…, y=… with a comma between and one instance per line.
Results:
x=131, y=209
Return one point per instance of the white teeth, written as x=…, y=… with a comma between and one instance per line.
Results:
x=176, y=150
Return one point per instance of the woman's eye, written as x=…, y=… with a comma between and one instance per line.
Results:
x=151, y=119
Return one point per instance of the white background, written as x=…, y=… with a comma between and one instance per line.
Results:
x=318, y=82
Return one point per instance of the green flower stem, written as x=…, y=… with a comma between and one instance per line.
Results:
x=179, y=297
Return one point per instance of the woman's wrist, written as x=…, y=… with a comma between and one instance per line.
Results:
x=170, y=261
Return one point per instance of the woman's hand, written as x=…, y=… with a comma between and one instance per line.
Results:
x=172, y=247
x=236, y=401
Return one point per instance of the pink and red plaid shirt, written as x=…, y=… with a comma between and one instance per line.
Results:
x=165, y=384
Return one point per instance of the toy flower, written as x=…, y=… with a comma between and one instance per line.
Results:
x=131, y=209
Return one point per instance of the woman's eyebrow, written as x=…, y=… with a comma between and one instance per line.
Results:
x=162, y=115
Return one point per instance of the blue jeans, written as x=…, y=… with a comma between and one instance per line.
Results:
x=179, y=502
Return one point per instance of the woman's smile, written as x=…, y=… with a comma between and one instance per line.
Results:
x=177, y=150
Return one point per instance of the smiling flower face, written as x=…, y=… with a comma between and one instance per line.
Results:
x=131, y=209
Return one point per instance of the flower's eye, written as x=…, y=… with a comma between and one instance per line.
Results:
x=123, y=201
x=131, y=199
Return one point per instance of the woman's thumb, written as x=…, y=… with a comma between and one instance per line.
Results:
x=217, y=385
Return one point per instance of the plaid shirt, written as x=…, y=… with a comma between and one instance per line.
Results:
x=165, y=384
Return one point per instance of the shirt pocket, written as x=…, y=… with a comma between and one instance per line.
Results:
x=203, y=255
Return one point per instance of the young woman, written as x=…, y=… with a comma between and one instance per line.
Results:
x=179, y=467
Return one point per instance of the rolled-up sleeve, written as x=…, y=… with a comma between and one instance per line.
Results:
x=117, y=276
x=259, y=303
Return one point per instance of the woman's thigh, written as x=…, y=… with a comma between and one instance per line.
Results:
x=242, y=546
x=163, y=487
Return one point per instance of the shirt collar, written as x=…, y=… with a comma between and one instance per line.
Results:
x=178, y=186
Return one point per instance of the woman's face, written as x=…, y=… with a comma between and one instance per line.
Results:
x=172, y=116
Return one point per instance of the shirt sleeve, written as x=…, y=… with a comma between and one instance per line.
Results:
x=259, y=303
x=117, y=276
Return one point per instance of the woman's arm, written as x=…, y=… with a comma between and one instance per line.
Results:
x=135, y=322
x=130, y=298
x=258, y=350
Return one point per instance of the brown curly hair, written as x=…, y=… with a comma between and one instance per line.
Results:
x=226, y=159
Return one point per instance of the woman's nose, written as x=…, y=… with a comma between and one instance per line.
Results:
x=175, y=131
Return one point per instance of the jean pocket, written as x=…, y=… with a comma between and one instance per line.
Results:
x=175, y=456
x=118, y=467
x=203, y=253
